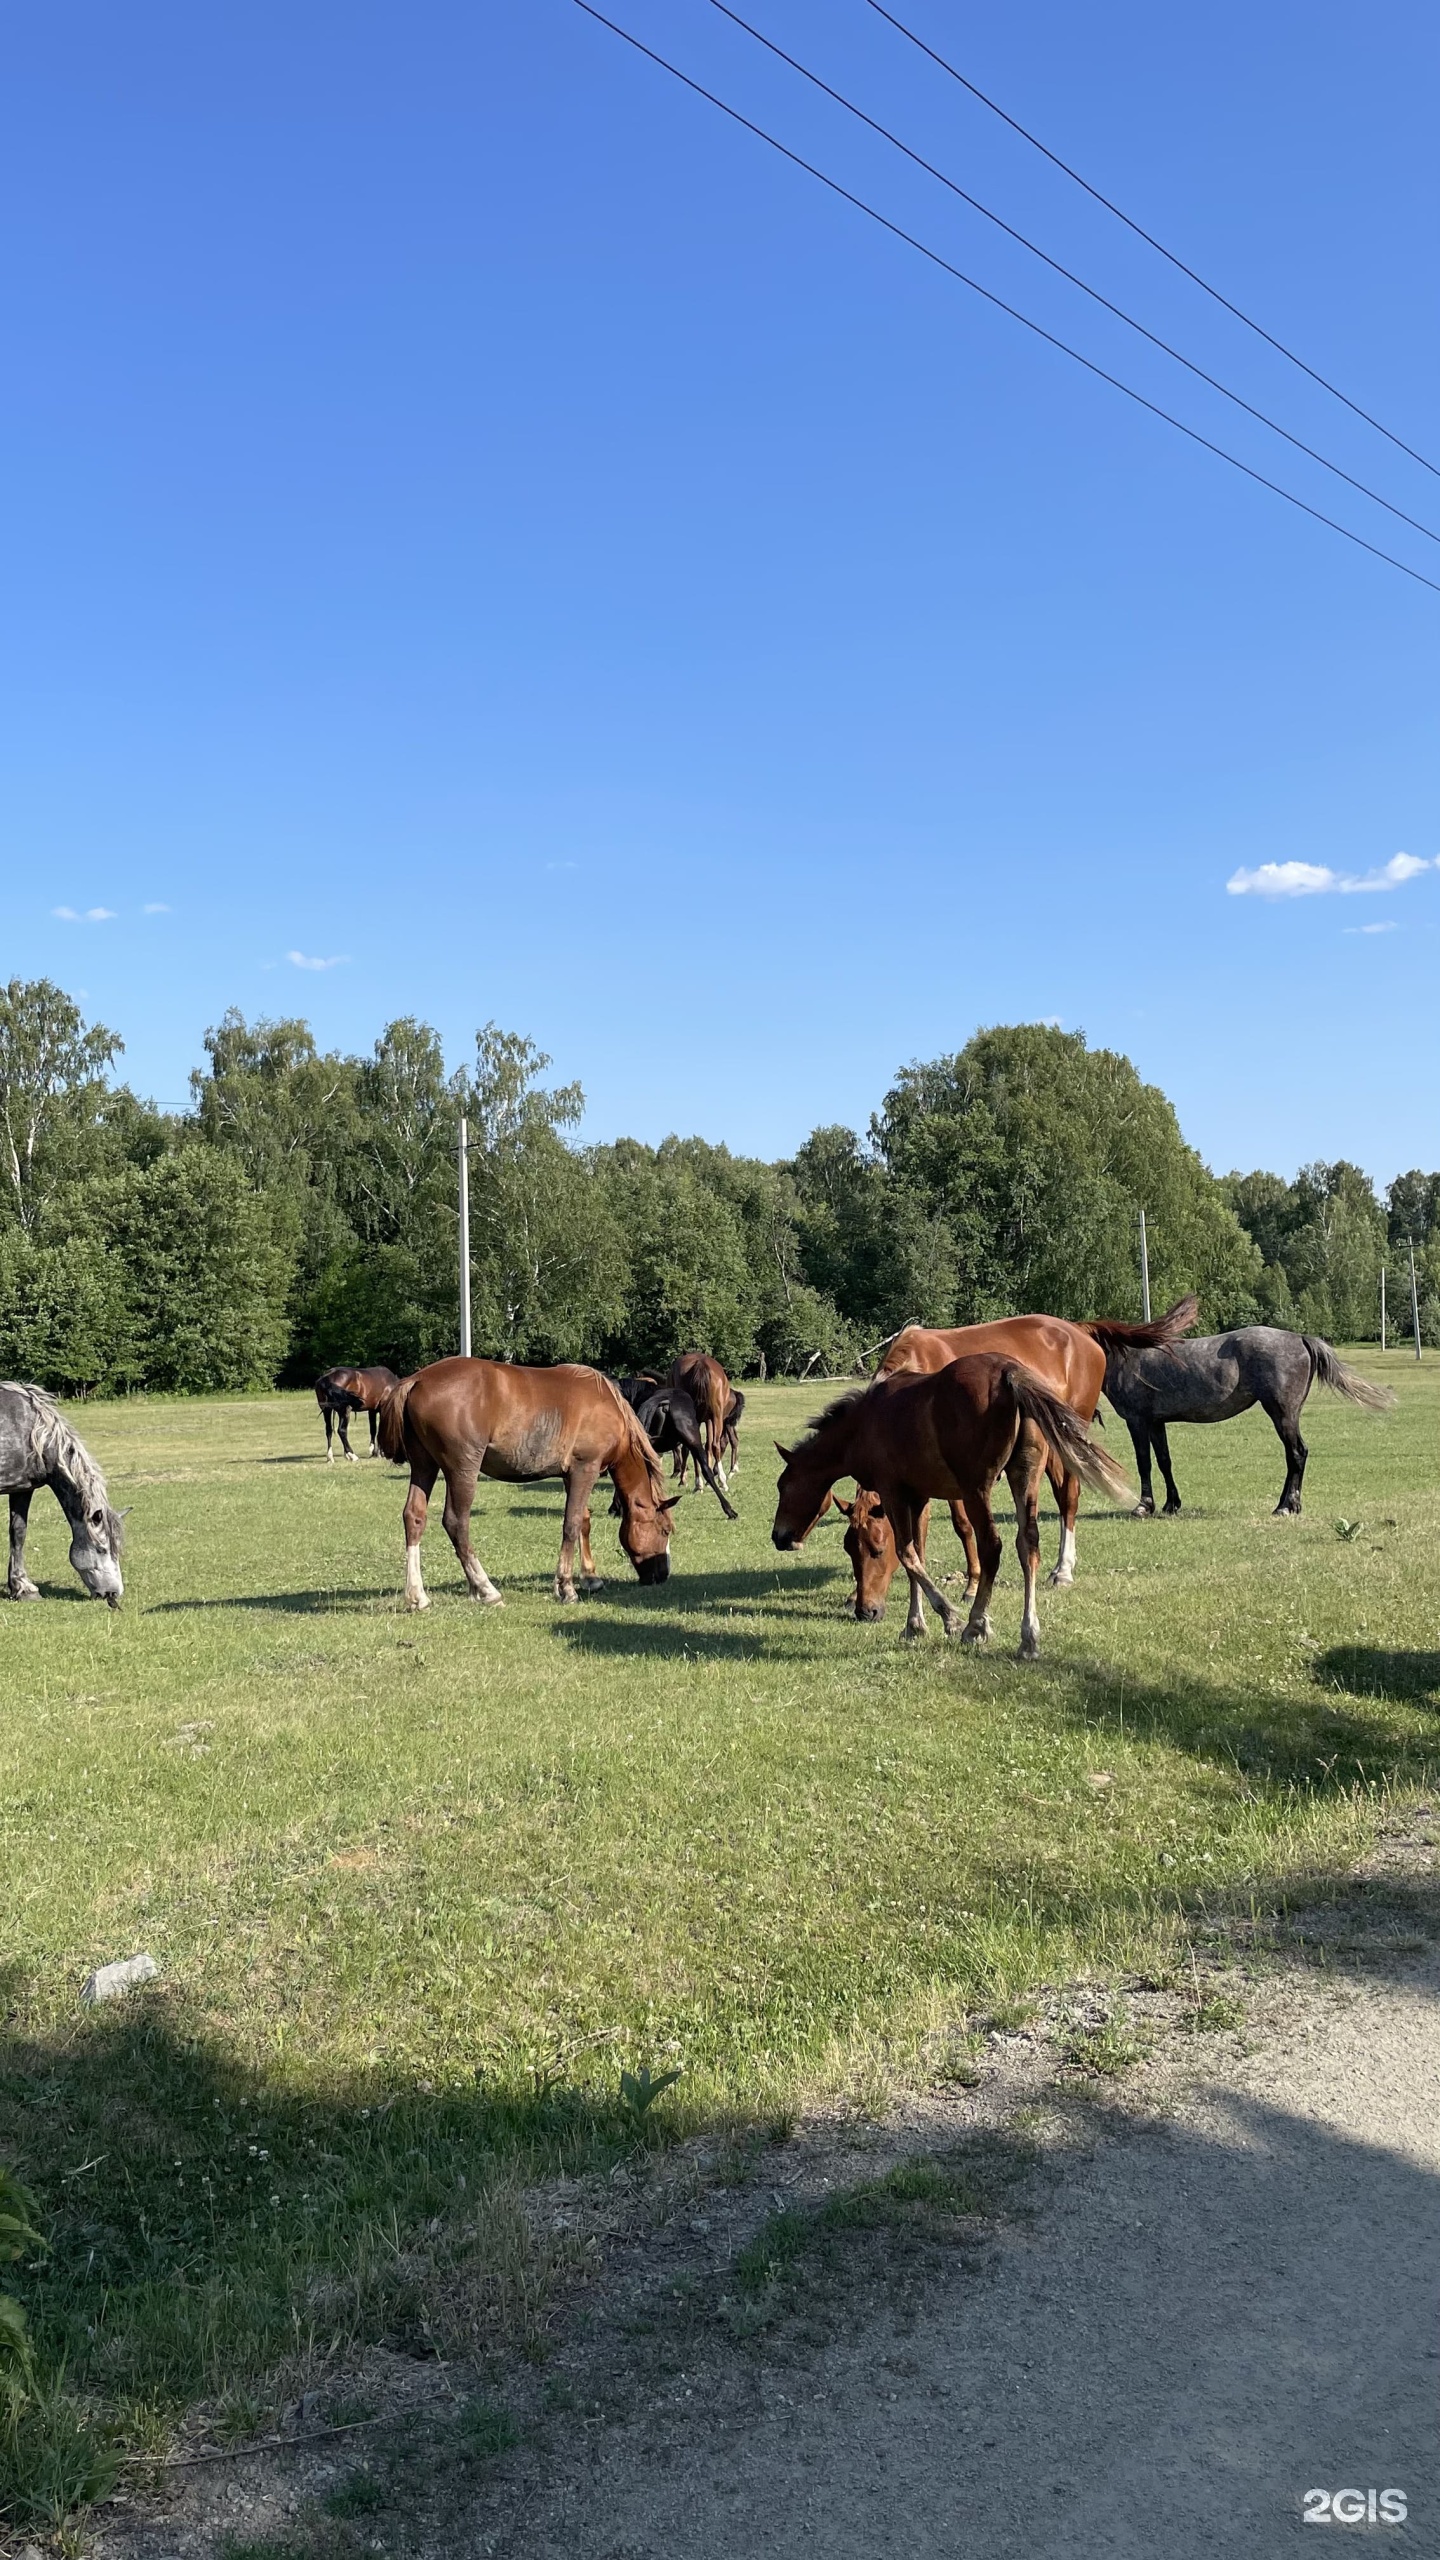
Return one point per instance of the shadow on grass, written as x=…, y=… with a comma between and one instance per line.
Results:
x=1373, y=1671
x=297, y=1604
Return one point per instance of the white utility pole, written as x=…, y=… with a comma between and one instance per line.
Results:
x=1144, y=1270
x=1414, y=1300
x=464, y=1239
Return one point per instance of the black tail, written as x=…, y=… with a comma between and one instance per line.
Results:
x=1066, y=1433
x=1146, y=1337
x=1348, y=1383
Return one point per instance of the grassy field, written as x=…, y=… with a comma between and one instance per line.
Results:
x=420, y=1889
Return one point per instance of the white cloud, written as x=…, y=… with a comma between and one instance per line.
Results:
x=92, y=915
x=298, y=960
x=1317, y=880
x=1389, y=926
x=154, y=907
x=67, y=915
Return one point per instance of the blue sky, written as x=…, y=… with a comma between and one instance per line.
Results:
x=474, y=518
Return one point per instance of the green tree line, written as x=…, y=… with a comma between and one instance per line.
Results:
x=303, y=1211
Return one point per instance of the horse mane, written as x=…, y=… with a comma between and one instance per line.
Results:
x=54, y=1448
x=637, y=1438
x=836, y=1410
x=1146, y=1337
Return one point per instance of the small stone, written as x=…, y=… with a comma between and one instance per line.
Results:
x=112, y=1981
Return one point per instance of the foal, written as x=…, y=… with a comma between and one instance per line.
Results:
x=947, y=1435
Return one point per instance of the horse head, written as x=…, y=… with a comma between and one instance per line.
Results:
x=870, y=1546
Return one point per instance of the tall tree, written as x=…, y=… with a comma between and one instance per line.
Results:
x=51, y=1072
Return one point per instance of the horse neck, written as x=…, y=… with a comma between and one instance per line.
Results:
x=826, y=1454
x=630, y=1474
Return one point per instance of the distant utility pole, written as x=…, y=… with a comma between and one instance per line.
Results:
x=464, y=1239
x=1414, y=1300
x=1382, y=1306
x=1144, y=1269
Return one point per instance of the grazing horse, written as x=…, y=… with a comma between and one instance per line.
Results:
x=37, y=1446
x=1214, y=1377
x=709, y=1390
x=911, y=1438
x=670, y=1422
x=342, y=1392
x=1059, y=1353
x=729, y=1442
x=466, y=1418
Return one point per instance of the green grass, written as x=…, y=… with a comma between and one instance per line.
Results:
x=421, y=1889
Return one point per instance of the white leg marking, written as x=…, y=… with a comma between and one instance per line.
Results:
x=416, y=1595
x=1064, y=1573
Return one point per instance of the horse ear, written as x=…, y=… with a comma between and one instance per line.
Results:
x=670, y=1505
x=847, y=1507
x=783, y=1451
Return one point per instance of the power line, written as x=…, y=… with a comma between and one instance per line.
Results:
x=1149, y=238
x=936, y=260
x=1069, y=275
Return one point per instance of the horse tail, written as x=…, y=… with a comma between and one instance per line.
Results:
x=1145, y=1337
x=390, y=1422
x=1348, y=1383
x=1065, y=1431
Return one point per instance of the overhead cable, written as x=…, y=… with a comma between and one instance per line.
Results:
x=945, y=264
x=1149, y=237
x=1069, y=274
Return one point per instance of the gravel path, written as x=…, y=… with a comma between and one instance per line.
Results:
x=1232, y=2302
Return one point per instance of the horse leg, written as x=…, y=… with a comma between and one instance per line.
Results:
x=423, y=1472
x=20, y=1586
x=329, y=1437
x=345, y=1437
x=579, y=1485
x=459, y=1503
x=1296, y=1453
x=1140, y=1442
x=375, y=1431
x=588, y=1575
x=901, y=1513
x=1162, y=1452
x=1023, y=1471
x=1066, y=1489
x=959, y=1521
x=987, y=1541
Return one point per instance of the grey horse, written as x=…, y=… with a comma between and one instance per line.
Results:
x=1218, y=1375
x=37, y=1446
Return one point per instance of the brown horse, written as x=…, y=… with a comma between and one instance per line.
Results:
x=912, y=1438
x=708, y=1388
x=342, y=1392
x=466, y=1418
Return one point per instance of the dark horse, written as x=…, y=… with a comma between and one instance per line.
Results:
x=670, y=1422
x=342, y=1392
x=1218, y=1375
x=37, y=1446
x=466, y=1418
x=911, y=1439
x=703, y=1380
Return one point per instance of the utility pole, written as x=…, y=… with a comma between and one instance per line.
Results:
x=1144, y=1269
x=464, y=1238
x=1414, y=1300
x=1382, y=1306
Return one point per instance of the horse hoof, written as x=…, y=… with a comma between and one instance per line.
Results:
x=24, y=1591
x=422, y=1603
x=594, y=1582
x=568, y=1596
x=1059, y=1581
x=1143, y=1511
x=974, y=1635
x=915, y=1635
x=1028, y=1652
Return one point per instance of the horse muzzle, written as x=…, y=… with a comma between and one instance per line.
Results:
x=653, y=1569
x=869, y=1617
x=785, y=1540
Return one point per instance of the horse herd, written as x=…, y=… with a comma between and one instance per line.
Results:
x=946, y=1414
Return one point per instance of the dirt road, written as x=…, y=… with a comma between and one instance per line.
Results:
x=1226, y=2306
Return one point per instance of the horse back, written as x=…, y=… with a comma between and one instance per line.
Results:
x=1063, y=1356
x=514, y=1422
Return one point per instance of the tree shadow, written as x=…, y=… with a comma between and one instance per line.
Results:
x=1322, y=1741
x=1375, y=1671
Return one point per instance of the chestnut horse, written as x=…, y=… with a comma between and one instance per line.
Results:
x=912, y=1438
x=708, y=1388
x=342, y=1392
x=466, y=1418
